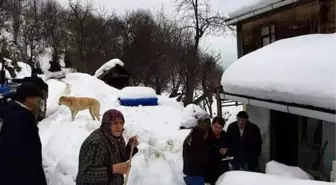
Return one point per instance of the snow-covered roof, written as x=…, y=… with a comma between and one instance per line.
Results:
x=299, y=70
x=107, y=66
x=245, y=6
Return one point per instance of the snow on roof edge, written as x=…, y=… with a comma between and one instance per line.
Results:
x=248, y=8
x=107, y=66
x=313, y=87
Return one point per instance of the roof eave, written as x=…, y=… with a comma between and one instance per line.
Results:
x=234, y=20
x=292, y=108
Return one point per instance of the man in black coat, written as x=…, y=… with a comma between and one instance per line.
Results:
x=40, y=111
x=244, y=143
x=20, y=145
x=218, y=146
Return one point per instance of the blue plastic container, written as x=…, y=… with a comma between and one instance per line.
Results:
x=139, y=101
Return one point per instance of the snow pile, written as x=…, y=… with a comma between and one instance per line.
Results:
x=252, y=178
x=135, y=92
x=25, y=70
x=107, y=66
x=246, y=6
x=289, y=70
x=160, y=149
x=191, y=113
x=276, y=168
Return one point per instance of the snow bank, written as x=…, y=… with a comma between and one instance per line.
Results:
x=191, y=113
x=107, y=66
x=252, y=178
x=296, y=70
x=137, y=92
x=25, y=70
x=246, y=6
x=276, y=168
x=160, y=149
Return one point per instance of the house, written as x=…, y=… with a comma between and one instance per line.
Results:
x=114, y=74
x=266, y=21
x=288, y=87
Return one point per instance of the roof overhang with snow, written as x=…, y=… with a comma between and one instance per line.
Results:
x=256, y=8
x=295, y=75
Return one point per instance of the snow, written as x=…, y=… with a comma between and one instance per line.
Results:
x=160, y=146
x=107, y=66
x=296, y=70
x=191, y=113
x=246, y=6
x=25, y=70
x=252, y=178
x=132, y=92
x=276, y=168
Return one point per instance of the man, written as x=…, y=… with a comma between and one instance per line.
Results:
x=20, y=145
x=103, y=154
x=244, y=143
x=40, y=111
x=195, y=153
x=218, y=146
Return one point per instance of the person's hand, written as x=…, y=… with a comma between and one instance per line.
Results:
x=121, y=168
x=134, y=139
x=223, y=151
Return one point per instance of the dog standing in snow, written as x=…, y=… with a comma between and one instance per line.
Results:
x=76, y=104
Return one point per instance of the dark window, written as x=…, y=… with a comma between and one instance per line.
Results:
x=267, y=34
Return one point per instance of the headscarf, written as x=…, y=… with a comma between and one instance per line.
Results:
x=109, y=117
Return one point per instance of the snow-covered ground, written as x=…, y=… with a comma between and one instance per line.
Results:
x=160, y=149
x=251, y=178
x=157, y=128
x=159, y=160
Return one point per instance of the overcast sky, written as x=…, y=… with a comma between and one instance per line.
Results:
x=226, y=45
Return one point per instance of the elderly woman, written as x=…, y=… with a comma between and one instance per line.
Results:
x=103, y=154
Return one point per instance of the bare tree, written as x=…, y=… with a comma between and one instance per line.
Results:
x=54, y=30
x=78, y=19
x=198, y=17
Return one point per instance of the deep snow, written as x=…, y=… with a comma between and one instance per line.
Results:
x=160, y=149
x=288, y=70
x=159, y=160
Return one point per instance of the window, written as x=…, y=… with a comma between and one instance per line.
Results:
x=267, y=34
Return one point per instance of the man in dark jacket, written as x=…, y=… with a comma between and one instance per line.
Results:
x=40, y=111
x=218, y=146
x=20, y=145
x=244, y=143
x=195, y=154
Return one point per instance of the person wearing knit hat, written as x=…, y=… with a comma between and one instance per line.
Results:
x=103, y=155
x=20, y=140
x=244, y=143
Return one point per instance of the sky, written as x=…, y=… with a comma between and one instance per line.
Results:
x=225, y=44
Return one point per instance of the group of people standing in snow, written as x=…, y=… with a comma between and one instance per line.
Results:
x=209, y=151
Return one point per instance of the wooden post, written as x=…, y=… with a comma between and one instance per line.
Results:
x=219, y=103
x=130, y=162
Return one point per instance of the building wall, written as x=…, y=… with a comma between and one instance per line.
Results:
x=261, y=117
x=328, y=133
x=290, y=21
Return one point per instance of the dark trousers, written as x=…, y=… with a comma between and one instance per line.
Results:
x=214, y=170
x=194, y=180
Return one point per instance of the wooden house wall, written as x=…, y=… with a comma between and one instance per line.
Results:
x=293, y=20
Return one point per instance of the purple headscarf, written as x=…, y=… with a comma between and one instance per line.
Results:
x=108, y=118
